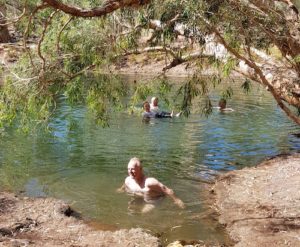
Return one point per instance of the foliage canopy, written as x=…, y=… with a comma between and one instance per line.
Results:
x=64, y=46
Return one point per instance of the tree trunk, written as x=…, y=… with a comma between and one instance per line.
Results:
x=4, y=34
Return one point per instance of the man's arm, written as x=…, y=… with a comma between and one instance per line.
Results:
x=171, y=194
x=121, y=189
x=155, y=185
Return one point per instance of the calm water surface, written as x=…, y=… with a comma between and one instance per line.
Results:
x=84, y=164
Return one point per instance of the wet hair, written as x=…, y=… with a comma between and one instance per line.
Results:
x=145, y=102
x=136, y=161
x=153, y=99
x=222, y=103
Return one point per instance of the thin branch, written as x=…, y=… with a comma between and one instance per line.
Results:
x=265, y=9
x=26, y=32
x=291, y=6
x=15, y=20
x=173, y=20
x=152, y=24
x=158, y=26
x=66, y=74
x=15, y=7
x=19, y=78
x=60, y=32
x=72, y=76
x=190, y=57
x=251, y=77
x=134, y=29
x=42, y=38
x=287, y=46
x=121, y=23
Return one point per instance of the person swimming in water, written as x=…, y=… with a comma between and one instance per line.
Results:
x=155, y=108
x=154, y=104
x=152, y=114
x=222, y=106
x=149, y=188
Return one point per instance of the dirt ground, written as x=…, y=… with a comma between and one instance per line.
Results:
x=144, y=65
x=260, y=206
x=50, y=222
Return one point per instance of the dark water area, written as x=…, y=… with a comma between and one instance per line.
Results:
x=84, y=164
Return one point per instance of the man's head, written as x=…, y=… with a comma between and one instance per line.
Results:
x=146, y=106
x=154, y=101
x=135, y=169
x=222, y=104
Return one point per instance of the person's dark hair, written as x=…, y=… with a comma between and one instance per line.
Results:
x=222, y=103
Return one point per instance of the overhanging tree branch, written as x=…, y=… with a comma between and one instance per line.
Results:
x=26, y=32
x=42, y=39
x=261, y=76
x=107, y=7
x=183, y=59
x=15, y=20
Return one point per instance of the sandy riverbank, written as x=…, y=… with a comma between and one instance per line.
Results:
x=260, y=206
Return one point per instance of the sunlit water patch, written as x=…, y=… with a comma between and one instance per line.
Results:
x=84, y=164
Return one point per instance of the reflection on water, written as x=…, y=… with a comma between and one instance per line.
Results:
x=85, y=164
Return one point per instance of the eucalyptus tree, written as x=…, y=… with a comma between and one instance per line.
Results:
x=259, y=40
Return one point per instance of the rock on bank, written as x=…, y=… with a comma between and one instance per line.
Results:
x=49, y=222
x=260, y=206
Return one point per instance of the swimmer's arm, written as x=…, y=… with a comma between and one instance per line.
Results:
x=171, y=194
x=125, y=185
x=154, y=184
x=121, y=189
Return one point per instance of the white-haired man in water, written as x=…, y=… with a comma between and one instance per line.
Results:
x=154, y=104
x=149, y=188
x=155, y=108
x=153, y=114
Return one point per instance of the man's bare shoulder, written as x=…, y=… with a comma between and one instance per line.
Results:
x=128, y=180
x=151, y=181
